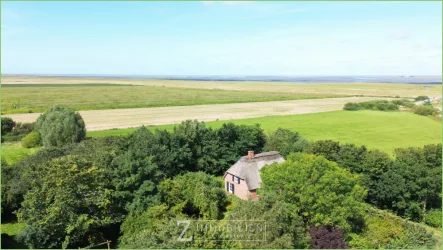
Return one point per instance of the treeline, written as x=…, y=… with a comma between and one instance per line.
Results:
x=133, y=189
x=425, y=109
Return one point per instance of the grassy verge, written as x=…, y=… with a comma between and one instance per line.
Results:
x=375, y=129
x=31, y=98
x=13, y=152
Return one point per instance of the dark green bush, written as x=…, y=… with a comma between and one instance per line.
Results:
x=12, y=137
x=425, y=110
x=7, y=125
x=352, y=106
x=433, y=218
x=32, y=140
x=404, y=102
x=421, y=98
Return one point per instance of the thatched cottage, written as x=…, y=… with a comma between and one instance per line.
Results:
x=243, y=178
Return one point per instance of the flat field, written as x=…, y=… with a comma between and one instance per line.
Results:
x=367, y=89
x=31, y=98
x=135, y=117
x=24, y=94
x=375, y=129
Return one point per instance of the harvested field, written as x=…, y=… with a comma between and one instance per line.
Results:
x=126, y=118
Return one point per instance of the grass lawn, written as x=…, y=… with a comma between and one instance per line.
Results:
x=13, y=152
x=375, y=129
x=12, y=228
x=31, y=98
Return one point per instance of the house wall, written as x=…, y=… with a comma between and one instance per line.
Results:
x=240, y=190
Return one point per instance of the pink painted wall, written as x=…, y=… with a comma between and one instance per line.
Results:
x=240, y=190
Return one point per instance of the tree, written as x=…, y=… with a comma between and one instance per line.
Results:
x=327, y=148
x=286, y=142
x=327, y=238
x=7, y=125
x=193, y=196
x=284, y=229
x=69, y=206
x=59, y=126
x=351, y=157
x=321, y=191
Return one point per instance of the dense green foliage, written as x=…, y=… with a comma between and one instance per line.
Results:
x=425, y=110
x=434, y=218
x=32, y=140
x=409, y=185
x=59, y=126
x=421, y=98
x=382, y=105
x=286, y=142
x=7, y=125
x=319, y=190
x=12, y=131
x=133, y=190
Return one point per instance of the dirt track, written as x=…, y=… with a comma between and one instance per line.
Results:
x=125, y=118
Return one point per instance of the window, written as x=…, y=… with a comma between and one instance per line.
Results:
x=231, y=188
x=236, y=179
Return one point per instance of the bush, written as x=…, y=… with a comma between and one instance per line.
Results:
x=425, y=110
x=352, y=106
x=59, y=126
x=421, y=98
x=327, y=238
x=10, y=137
x=23, y=128
x=404, y=102
x=7, y=125
x=433, y=218
x=32, y=140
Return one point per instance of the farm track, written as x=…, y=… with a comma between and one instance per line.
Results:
x=126, y=118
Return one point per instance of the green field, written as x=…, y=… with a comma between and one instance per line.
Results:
x=13, y=152
x=375, y=129
x=31, y=98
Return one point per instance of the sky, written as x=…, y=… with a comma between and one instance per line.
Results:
x=222, y=38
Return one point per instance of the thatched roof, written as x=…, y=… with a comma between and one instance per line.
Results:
x=249, y=169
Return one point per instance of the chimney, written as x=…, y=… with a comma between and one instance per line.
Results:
x=250, y=154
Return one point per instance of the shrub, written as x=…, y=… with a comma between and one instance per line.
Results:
x=421, y=98
x=327, y=238
x=352, y=106
x=32, y=140
x=12, y=137
x=404, y=102
x=425, y=110
x=59, y=126
x=7, y=125
x=433, y=218
x=23, y=128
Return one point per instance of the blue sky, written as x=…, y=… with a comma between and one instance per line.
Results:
x=222, y=38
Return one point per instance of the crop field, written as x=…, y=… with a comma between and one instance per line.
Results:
x=375, y=129
x=31, y=98
x=126, y=118
x=367, y=89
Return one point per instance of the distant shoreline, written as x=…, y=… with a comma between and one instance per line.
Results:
x=287, y=79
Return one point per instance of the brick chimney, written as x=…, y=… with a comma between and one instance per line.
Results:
x=251, y=154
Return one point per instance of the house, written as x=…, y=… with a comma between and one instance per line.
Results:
x=243, y=178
